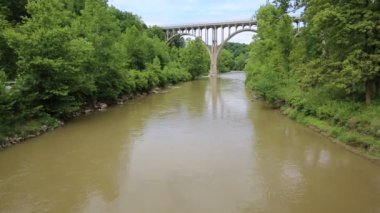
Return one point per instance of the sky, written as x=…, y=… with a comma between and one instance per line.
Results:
x=173, y=12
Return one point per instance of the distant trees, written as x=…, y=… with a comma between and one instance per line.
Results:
x=233, y=57
x=195, y=58
x=226, y=61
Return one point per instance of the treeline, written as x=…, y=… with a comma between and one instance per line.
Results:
x=233, y=57
x=59, y=57
x=327, y=73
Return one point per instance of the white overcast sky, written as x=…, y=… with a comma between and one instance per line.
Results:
x=172, y=12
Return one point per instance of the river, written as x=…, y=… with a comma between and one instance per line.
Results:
x=200, y=147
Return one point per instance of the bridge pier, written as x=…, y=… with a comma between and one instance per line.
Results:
x=214, y=62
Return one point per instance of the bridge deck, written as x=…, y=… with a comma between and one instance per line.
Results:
x=210, y=24
x=216, y=24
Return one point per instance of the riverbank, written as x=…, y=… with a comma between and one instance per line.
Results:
x=351, y=139
x=354, y=126
x=44, y=124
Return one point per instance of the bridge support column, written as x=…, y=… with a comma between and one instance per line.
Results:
x=214, y=63
x=214, y=53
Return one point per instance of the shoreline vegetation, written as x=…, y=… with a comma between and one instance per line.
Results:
x=335, y=134
x=60, y=59
x=326, y=77
x=37, y=128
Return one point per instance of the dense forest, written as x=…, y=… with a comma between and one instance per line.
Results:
x=59, y=58
x=326, y=74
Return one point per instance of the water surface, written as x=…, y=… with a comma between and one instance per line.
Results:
x=203, y=146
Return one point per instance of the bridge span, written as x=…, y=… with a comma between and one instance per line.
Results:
x=214, y=35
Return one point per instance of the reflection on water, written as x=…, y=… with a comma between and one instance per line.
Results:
x=200, y=147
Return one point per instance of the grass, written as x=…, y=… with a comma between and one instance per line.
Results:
x=365, y=143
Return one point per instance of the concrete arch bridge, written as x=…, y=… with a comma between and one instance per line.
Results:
x=214, y=35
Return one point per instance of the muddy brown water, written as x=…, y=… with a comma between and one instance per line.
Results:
x=203, y=146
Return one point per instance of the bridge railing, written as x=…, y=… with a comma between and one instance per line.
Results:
x=217, y=24
x=209, y=24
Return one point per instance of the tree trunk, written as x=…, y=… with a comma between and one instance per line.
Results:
x=368, y=92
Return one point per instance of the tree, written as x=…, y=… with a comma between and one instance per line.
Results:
x=13, y=10
x=240, y=61
x=348, y=42
x=127, y=20
x=226, y=61
x=157, y=32
x=195, y=59
x=51, y=60
x=157, y=48
x=136, y=50
x=7, y=55
x=178, y=42
x=269, y=60
x=98, y=25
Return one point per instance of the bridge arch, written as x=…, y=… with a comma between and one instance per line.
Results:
x=213, y=50
x=221, y=46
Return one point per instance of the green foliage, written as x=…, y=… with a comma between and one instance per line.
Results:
x=233, y=57
x=137, y=55
x=236, y=48
x=7, y=55
x=195, y=59
x=68, y=55
x=240, y=61
x=268, y=64
x=178, y=42
x=13, y=10
x=127, y=20
x=48, y=59
x=175, y=73
x=320, y=75
x=156, y=32
x=226, y=61
x=346, y=40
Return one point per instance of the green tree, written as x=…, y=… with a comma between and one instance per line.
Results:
x=157, y=48
x=348, y=42
x=51, y=60
x=226, y=61
x=13, y=10
x=269, y=60
x=135, y=44
x=178, y=42
x=7, y=55
x=127, y=20
x=240, y=61
x=195, y=59
x=98, y=25
x=236, y=48
x=157, y=32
